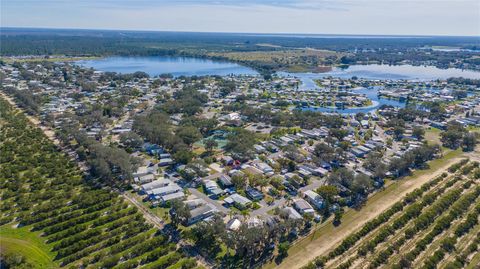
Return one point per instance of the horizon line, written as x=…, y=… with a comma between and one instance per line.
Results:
x=238, y=33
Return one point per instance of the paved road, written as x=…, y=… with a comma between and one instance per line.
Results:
x=316, y=183
x=207, y=199
x=212, y=177
x=265, y=208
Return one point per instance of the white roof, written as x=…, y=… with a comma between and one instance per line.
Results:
x=234, y=224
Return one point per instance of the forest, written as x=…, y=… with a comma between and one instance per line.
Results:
x=385, y=49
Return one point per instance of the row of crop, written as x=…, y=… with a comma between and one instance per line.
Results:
x=462, y=259
x=454, y=167
x=412, y=209
x=448, y=244
x=443, y=223
x=384, y=217
x=469, y=168
x=107, y=240
x=85, y=235
x=450, y=203
x=96, y=217
x=437, y=199
x=137, y=254
x=59, y=217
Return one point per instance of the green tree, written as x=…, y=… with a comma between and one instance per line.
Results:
x=418, y=132
x=131, y=140
x=189, y=134
x=469, y=141
x=283, y=249
x=210, y=144
x=180, y=213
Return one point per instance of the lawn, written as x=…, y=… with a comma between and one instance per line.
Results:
x=328, y=236
x=433, y=135
x=29, y=244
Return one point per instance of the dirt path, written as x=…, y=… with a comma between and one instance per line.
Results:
x=327, y=236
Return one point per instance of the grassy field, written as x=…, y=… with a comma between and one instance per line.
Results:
x=327, y=236
x=29, y=244
x=296, y=60
x=433, y=135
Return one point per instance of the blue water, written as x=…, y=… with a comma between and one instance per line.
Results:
x=177, y=66
x=386, y=72
x=371, y=93
x=381, y=72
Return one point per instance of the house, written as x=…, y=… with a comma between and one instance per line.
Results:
x=141, y=171
x=227, y=160
x=172, y=196
x=212, y=188
x=225, y=181
x=152, y=149
x=319, y=171
x=234, y=224
x=144, y=179
x=314, y=198
x=252, y=170
x=155, y=184
x=165, y=162
x=201, y=213
x=259, y=149
x=303, y=206
x=155, y=194
x=438, y=125
x=304, y=173
x=292, y=213
x=238, y=201
x=265, y=168
x=254, y=194
x=358, y=153
x=194, y=203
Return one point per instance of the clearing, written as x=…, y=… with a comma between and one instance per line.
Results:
x=29, y=244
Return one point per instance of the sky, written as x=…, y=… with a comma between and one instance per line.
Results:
x=372, y=17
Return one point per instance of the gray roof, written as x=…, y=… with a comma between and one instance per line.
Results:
x=237, y=198
x=172, y=196
x=165, y=190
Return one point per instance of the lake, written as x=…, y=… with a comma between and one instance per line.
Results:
x=186, y=66
x=177, y=66
x=382, y=72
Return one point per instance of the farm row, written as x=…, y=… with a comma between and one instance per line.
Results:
x=435, y=226
x=74, y=224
